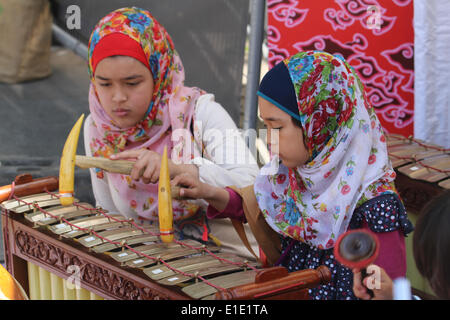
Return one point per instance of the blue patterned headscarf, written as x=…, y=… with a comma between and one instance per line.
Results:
x=348, y=161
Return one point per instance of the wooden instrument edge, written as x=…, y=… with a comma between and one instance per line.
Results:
x=276, y=281
x=26, y=185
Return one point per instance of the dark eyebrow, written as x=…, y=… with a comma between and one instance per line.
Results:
x=271, y=119
x=133, y=77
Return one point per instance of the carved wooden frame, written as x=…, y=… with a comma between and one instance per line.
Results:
x=98, y=273
x=415, y=193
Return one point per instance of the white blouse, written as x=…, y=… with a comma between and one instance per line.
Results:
x=229, y=162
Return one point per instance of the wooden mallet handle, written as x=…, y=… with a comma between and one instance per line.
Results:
x=114, y=166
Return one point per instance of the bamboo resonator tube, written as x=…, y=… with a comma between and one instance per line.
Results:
x=114, y=166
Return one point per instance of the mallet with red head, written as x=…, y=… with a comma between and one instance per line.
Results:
x=357, y=249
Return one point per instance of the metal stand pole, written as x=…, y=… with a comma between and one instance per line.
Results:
x=70, y=42
x=254, y=62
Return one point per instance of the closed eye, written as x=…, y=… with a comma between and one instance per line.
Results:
x=265, y=126
x=133, y=83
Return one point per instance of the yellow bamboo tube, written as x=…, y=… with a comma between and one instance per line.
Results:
x=95, y=297
x=44, y=284
x=82, y=294
x=33, y=281
x=69, y=293
x=56, y=285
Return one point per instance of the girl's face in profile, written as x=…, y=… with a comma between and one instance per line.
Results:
x=125, y=88
x=290, y=145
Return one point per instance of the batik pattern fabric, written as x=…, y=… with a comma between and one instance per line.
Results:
x=171, y=108
x=348, y=162
x=375, y=37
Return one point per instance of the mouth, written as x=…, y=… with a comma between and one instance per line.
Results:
x=121, y=112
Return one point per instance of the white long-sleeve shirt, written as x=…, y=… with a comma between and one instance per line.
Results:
x=229, y=162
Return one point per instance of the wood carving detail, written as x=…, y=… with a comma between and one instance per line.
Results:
x=414, y=193
x=93, y=275
x=414, y=199
x=5, y=233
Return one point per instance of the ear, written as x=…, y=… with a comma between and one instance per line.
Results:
x=296, y=122
x=298, y=125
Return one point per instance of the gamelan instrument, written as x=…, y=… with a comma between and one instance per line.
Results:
x=67, y=177
x=423, y=169
x=56, y=239
x=116, y=258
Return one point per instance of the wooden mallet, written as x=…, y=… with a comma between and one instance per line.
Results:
x=357, y=249
x=69, y=159
x=114, y=166
x=67, y=176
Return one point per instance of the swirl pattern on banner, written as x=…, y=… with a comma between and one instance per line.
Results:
x=375, y=37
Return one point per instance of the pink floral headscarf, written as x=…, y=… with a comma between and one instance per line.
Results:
x=171, y=108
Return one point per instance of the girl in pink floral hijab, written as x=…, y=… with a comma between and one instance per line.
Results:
x=132, y=38
x=139, y=104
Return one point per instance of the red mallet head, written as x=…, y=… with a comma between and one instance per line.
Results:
x=356, y=248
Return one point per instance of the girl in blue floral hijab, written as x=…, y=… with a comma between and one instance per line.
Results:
x=330, y=172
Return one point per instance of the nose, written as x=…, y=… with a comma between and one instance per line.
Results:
x=119, y=95
x=273, y=140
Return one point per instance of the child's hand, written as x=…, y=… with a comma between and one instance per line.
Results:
x=148, y=165
x=191, y=186
x=377, y=280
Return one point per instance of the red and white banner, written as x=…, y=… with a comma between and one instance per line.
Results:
x=375, y=37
